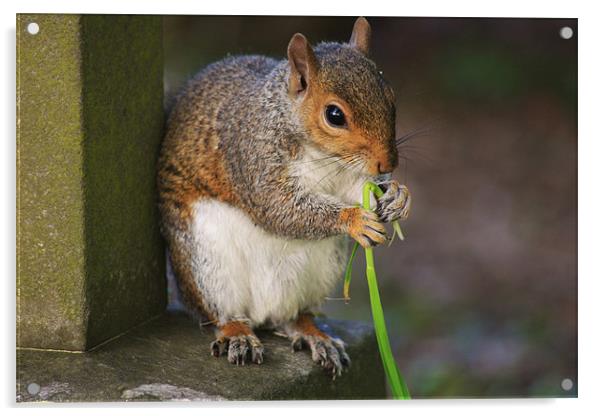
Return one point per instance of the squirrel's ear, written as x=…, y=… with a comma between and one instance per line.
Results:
x=360, y=37
x=303, y=63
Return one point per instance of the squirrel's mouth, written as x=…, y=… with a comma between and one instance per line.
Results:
x=383, y=178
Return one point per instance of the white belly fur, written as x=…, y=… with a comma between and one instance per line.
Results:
x=249, y=273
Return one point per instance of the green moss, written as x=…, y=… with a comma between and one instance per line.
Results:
x=90, y=257
x=50, y=229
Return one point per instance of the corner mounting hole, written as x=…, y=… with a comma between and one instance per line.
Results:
x=566, y=32
x=567, y=384
x=33, y=388
x=33, y=28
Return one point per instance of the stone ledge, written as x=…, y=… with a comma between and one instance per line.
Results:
x=168, y=359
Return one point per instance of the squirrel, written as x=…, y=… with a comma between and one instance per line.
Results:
x=259, y=178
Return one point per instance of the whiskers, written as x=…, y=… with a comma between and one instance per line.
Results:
x=353, y=163
x=322, y=171
x=409, y=152
x=413, y=134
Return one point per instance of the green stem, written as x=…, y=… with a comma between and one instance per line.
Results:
x=398, y=385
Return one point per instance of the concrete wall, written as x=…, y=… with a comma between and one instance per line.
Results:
x=90, y=260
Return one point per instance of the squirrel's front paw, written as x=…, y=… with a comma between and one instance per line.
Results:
x=364, y=226
x=395, y=203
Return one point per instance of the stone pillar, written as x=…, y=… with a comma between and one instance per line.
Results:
x=90, y=260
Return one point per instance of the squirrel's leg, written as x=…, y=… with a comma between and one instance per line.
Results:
x=238, y=340
x=327, y=351
x=234, y=336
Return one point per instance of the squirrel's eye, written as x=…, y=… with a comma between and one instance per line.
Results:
x=335, y=116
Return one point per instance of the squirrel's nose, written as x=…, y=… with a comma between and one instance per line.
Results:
x=384, y=168
x=387, y=162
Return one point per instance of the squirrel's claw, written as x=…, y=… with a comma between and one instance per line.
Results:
x=328, y=352
x=395, y=203
x=238, y=348
x=297, y=343
x=217, y=347
x=365, y=227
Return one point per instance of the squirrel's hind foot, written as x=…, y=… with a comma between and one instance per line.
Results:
x=237, y=340
x=328, y=352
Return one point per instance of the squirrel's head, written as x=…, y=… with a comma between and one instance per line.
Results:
x=344, y=102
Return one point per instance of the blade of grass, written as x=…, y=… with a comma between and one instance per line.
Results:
x=348, y=273
x=396, y=231
x=398, y=386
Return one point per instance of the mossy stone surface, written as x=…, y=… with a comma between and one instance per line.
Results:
x=122, y=70
x=89, y=123
x=51, y=306
x=168, y=359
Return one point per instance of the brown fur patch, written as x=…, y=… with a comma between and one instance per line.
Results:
x=235, y=328
x=351, y=220
x=306, y=325
x=341, y=141
x=182, y=183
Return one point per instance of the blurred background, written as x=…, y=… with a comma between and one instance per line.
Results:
x=481, y=297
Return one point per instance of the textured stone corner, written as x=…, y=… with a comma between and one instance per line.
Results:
x=90, y=260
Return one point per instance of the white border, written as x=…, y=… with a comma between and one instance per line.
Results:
x=461, y=8
x=590, y=200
